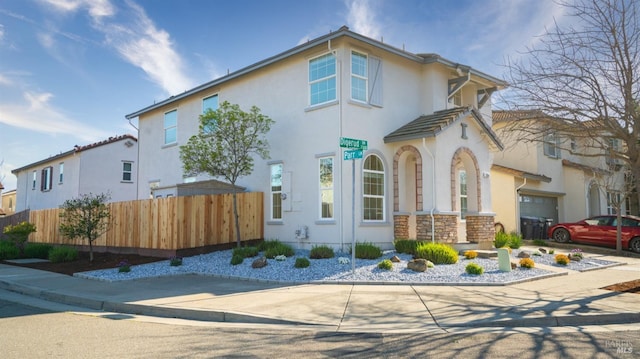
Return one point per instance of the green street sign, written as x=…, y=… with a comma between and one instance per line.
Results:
x=352, y=154
x=353, y=143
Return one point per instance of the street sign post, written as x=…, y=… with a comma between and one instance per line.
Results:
x=355, y=148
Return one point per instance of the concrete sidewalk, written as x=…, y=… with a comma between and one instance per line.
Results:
x=574, y=299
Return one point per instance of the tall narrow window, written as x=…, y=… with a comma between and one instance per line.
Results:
x=45, y=185
x=322, y=79
x=551, y=145
x=170, y=127
x=462, y=180
x=373, y=189
x=613, y=202
x=326, y=187
x=61, y=175
x=359, y=76
x=127, y=171
x=34, y=179
x=209, y=103
x=276, y=191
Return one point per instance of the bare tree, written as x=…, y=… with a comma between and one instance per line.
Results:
x=583, y=78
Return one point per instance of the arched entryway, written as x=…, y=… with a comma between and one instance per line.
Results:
x=465, y=188
x=407, y=191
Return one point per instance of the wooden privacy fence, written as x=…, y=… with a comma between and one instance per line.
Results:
x=171, y=223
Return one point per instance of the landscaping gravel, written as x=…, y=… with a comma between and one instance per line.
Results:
x=332, y=271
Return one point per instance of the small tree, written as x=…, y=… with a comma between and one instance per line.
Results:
x=19, y=234
x=85, y=217
x=225, y=144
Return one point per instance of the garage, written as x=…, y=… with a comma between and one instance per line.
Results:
x=539, y=206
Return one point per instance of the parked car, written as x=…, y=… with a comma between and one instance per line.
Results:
x=599, y=230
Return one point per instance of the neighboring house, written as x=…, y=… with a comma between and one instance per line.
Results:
x=543, y=178
x=109, y=166
x=427, y=121
x=8, y=202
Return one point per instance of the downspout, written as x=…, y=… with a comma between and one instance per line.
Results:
x=339, y=78
x=433, y=189
x=518, y=204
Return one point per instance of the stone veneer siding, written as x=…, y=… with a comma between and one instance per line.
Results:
x=446, y=227
x=401, y=226
x=481, y=230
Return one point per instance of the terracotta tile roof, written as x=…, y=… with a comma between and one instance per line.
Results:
x=104, y=142
x=522, y=174
x=504, y=115
x=432, y=125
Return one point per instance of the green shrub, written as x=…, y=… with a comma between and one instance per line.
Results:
x=245, y=252
x=8, y=250
x=385, y=264
x=501, y=240
x=562, y=259
x=63, y=254
x=438, y=253
x=368, y=251
x=539, y=242
x=265, y=245
x=527, y=263
x=407, y=246
x=515, y=240
x=236, y=259
x=124, y=267
x=279, y=249
x=470, y=254
x=19, y=234
x=321, y=252
x=474, y=269
x=552, y=251
x=37, y=250
x=302, y=262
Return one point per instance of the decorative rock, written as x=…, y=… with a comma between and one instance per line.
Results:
x=259, y=263
x=513, y=265
x=524, y=254
x=417, y=265
x=542, y=250
x=395, y=259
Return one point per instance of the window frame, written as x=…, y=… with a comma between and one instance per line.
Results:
x=46, y=179
x=550, y=145
x=61, y=173
x=325, y=79
x=204, y=110
x=361, y=77
x=463, y=195
x=326, y=189
x=173, y=127
x=34, y=180
x=125, y=172
x=381, y=174
x=276, y=207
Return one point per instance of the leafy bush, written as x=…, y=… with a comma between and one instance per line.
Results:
x=501, y=240
x=386, y=264
x=576, y=255
x=321, y=252
x=407, y=246
x=175, y=261
x=63, y=254
x=552, y=251
x=368, y=251
x=302, y=262
x=37, y=250
x=438, y=253
x=515, y=240
x=124, y=267
x=245, y=252
x=236, y=259
x=278, y=249
x=539, y=242
x=527, y=263
x=474, y=269
x=265, y=245
x=470, y=254
x=19, y=233
x=8, y=250
x=562, y=259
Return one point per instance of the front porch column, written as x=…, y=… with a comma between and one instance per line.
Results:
x=445, y=227
x=481, y=229
x=401, y=225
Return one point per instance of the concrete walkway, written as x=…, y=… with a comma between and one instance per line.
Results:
x=574, y=299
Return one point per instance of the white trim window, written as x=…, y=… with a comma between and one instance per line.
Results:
x=325, y=165
x=462, y=184
x=359, y=79
x=551, y=145
x=34, y=179
x=276, y=191
x=127, y=171
x=47, y=178
x=209, y=103
x=322, y=79
x=373, y=189
x=613, y=200
x=61, y=174
x=171, y=127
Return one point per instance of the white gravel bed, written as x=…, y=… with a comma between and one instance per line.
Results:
x=332, y=271
x=586, y=264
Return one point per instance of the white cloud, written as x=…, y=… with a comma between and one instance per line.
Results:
x=5, y=80
x=37, y=114
x=361, y=18
x=96, y=8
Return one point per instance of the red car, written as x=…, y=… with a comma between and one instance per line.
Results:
x=599, y=230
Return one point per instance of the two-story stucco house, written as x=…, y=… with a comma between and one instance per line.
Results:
x=109, y=166
x=548, y=178
x=427, y=121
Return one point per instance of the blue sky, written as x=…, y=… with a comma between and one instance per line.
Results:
x=70, y=70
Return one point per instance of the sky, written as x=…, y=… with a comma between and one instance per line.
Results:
x=70, y=70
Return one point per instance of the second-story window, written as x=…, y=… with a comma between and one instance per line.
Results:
x=34, y=179
x=47, y=174
x=359, y=78
x=127, y=171
x=551, y=145
x=209, y=103
x=61, y=175
x=322, y=79
x=170, y=127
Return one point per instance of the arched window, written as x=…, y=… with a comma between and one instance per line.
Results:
x=373, y=189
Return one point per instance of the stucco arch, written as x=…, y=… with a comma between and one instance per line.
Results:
x=402, y=155
x=464, y=157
